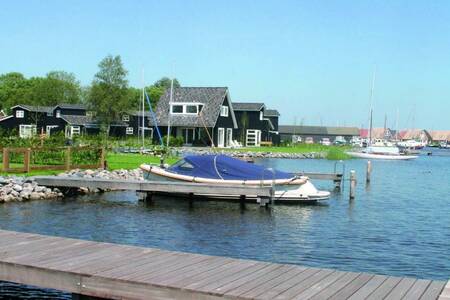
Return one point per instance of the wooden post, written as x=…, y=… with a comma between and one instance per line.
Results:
x=191, y=200
x=102, y=158
x=369, y=171
x=68, y=157
x=352, y=184
x=148, y=197
x=242, y=201
x=27, y=160
x=5, y=159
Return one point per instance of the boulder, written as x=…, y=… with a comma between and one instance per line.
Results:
x=17, y=188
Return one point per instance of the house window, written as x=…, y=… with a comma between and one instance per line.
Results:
x=177, y=109
x=58, y=113
x=49, y=114
x=261, y=115
x=224, y=111
x=191, y=109
x=26, y=131
x=20, y=114
x=129, y=130
x=126, y=118
x=76, y=130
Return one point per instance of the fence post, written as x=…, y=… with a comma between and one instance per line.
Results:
x=5, y=159
x=102, y=158
x=68, y=157
x=369, y=171
x=27, y=160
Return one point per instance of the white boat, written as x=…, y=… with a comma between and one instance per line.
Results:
x=388, y=153
x=222, y=169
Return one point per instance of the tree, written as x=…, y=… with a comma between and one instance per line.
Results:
x=165, y=83
x=13, y=90
x=109, y=93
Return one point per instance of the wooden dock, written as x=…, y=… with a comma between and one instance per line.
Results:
x=186, y=188
x=126, y=272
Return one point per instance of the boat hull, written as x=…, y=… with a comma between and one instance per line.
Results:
x=381, y=156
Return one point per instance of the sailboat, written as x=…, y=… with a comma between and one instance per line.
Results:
x=376, y=151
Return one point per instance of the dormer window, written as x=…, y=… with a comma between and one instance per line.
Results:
x=261, y=115
x=20, y=114
x=224, y=111
x=58, y=113
x=126, y=118
x=186, y=108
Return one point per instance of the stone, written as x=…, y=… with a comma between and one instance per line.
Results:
x=39, y=189
x=17, y=188
x=35, y=196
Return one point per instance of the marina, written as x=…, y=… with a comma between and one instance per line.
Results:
x=115, y=271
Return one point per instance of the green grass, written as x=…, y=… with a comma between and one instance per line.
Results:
x=132, y=161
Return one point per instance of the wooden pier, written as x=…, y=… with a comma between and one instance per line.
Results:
x=186, y=188
x=126, y=272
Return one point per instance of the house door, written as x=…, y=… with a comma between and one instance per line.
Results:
x=220, y=137
x=253, y=138
x=229, y=138
x=188, y=135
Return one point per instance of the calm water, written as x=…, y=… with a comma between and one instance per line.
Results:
x=399, y=225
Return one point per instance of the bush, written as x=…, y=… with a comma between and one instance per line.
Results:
x=174, y=141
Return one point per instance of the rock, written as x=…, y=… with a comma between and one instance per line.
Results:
x=39, y=189
x=17, y=188
x=35, y=196
x=7, y=190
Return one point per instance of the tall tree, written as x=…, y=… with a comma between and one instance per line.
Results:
x=109, y=92
x=165, y=83
x=13, y=90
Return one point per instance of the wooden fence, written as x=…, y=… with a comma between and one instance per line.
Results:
x=31, y=160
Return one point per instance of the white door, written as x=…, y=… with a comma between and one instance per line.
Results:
x=253, y=138
x=220, y=137
x=229, y=137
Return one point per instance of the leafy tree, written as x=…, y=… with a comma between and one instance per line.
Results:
x=109, y=93
x=13, y=90
x=165, y=83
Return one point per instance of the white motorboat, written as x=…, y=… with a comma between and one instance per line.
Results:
x=388, y=153
x=222, y=169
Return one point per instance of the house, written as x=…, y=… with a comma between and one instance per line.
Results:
x=421, y=135
x=198, y=115
x=440, y=135
x=292, y=134
x=256, y=124
x=378, y=133
x=133, y=124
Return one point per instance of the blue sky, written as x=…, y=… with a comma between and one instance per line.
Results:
x=311, y=60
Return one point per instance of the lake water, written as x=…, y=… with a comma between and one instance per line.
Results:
x=399, y=225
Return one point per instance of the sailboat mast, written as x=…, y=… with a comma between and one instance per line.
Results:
x=371, y=106
x=170, y=110
x=143, y=111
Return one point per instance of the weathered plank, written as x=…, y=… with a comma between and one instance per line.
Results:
x=434, y=290
x=401, y=289
x=336, y=286
x=368, y=288
x=385, y=288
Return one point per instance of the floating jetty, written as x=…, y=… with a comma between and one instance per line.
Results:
x=116, y=271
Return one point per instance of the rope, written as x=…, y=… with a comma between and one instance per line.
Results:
x=215, y=167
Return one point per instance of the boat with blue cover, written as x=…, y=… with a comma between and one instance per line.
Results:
x=223, y=169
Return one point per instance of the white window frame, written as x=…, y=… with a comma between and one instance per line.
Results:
x=129, y=130
x=75, y=130
x=58, y=114
x=253, y=138
x=20, y=114
x=48, y=129
x=30, y=130
x=126, y=118
x=176, y=113
x=229, y=137
x=261, y=115
x=224, y=111
x=220, y=137
x=184, y=106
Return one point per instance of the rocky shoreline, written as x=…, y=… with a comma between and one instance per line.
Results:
x=18, y=189
x=250, y=154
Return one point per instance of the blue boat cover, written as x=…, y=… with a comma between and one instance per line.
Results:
x=224, y=167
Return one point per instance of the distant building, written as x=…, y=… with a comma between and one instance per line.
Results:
x=440, y=135
x=291, y=133
x=256, y=123
x=421, y=135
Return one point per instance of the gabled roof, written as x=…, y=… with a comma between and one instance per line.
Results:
x=271, y=113
x=440, y=135
x=211, y=97
x=77, y=120
x=71, y=106
x=248, y=106
x=43, y=109
x=318, y=130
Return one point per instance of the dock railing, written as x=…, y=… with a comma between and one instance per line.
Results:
x=24, y=160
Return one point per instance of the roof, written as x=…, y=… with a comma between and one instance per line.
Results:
x=412, y=134
x=271, y=113
x=71, y=106
x=440, y=135
x=377, y=133
x=247, y=106
x=77, y=120
x=44, y=109
x=318, y=130
x=211, y=97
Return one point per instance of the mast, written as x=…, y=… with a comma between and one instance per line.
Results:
x=371, y=106
x=170, y=111
x=396, y=125
x=143, y=111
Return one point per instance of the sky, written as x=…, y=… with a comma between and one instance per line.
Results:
x=313, y=61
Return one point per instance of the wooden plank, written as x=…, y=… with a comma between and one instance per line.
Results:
x=418, y=288
x=298, y=289
x=321, y=285
x=385, y=288
x=434, y=290
x=269, y=285
x=369, y=287
x=154, y=186
x=336, y=286
x=353, y=286
x=297, y=280
x=401, y=289
x=235, y=289
x=445, y=294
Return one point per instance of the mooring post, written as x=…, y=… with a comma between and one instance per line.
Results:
x=191, y=200
x=352, y=184
x=242, y=201
x=369, y=171
x=148, y=197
